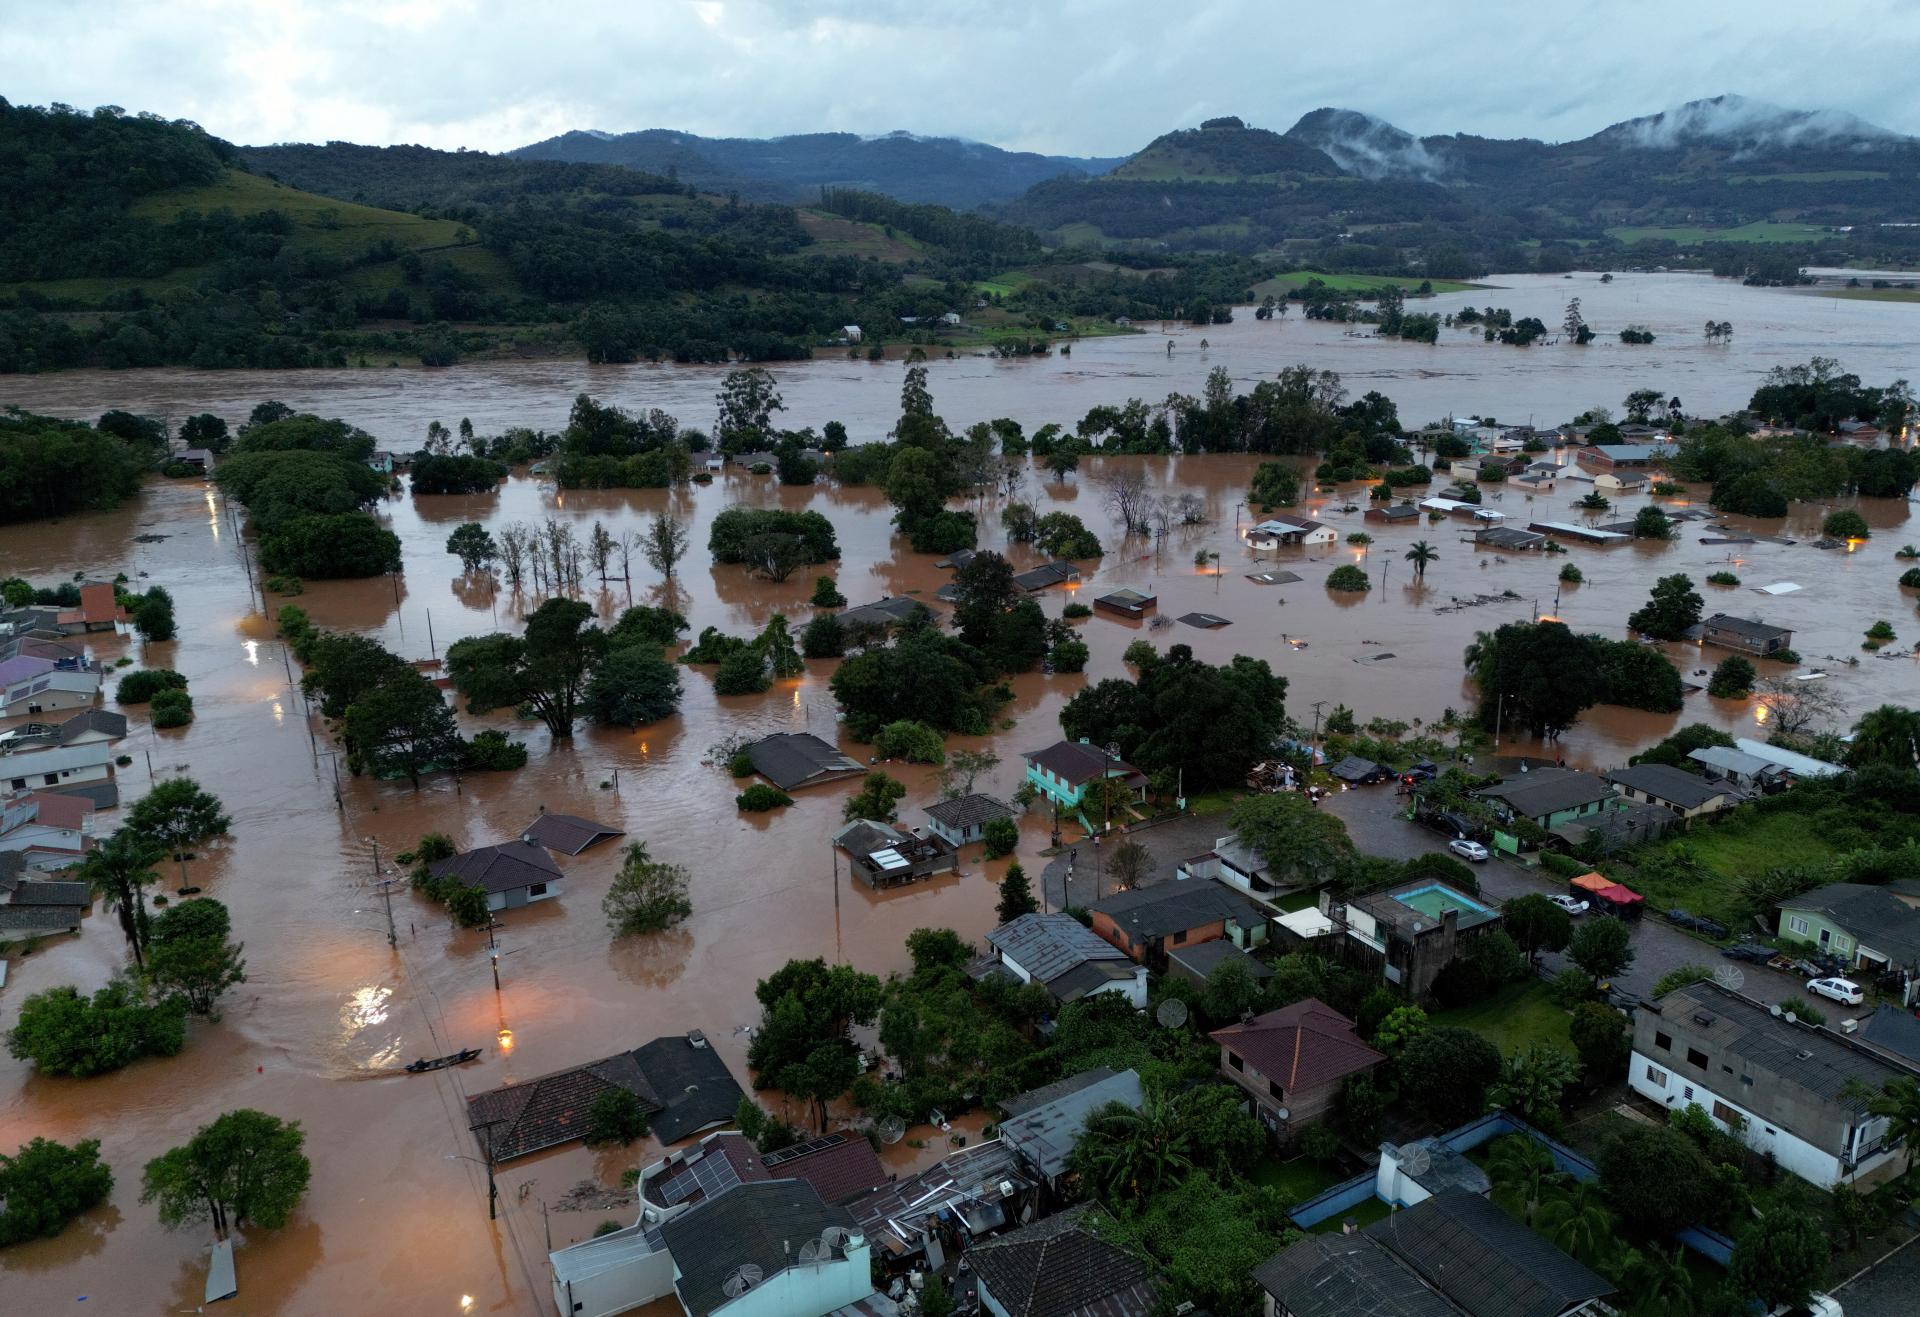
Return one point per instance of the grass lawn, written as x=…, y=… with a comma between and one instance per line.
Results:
x=1758, y=231
x=1364, y=1214
x=1303, y=900
x=1517, y=1015
x=1300, y=1179
x=1355, y=283
x=1750, y=843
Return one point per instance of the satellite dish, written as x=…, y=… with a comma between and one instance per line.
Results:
x=813, y=1251
x=1730, y=977
x=1416, y=1160
x=741, y=1279
x=1172, y=1013
x=891, y=1129
x=1774, y=1010
x=1792, y=1018
x=835, y=1237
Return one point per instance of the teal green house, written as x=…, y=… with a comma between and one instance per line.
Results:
x=1064, y=770
x=1870, y=928
x=1548, y=797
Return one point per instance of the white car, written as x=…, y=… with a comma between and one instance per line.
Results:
x=1468, y=850
x=1571, y=905
x=1844, y=991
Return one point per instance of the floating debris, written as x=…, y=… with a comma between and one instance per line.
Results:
x=1727, y=539
x=1372, y=658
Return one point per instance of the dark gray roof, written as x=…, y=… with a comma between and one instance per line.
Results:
x=1057, y=1267
x=1486, y=1261
x=1047, y=574
x=764, y=1224
x=113, y=725
x=798, y=759
x=104, y=795
x=33, y=919
x=1047, y=946
x=550, y=1109
x=1073, y=762
x=692, y=1084
x=1088, y=977
x=1203, y=958
x=29, y=892
x=1893, y=1030
x=883, y=613
x=1353, y=769
x=1346, y=1275
x=1127, y=599
x=1174, y=907
x=1816, y=1061
x=1044, y=1134
x=1509, y=537
x=1398, y=512
x=865, y=836
x=1059, y=1088
x=968, y=811
x=1547, y=791
x=1747, y=627
x=1665, y=782
x=1873, y=915
x=568, y=833
x=506, y=867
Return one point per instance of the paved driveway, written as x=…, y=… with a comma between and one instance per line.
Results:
x=1373, y=819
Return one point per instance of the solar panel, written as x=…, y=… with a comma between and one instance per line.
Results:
x=708, y=1176
x=799, y=1150
x=889, y=859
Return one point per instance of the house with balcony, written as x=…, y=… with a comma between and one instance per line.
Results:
x=1788, y=1088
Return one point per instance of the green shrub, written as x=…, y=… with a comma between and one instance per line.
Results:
x=823, y=637
x=1001, y=836
x=1564, y=866
x=1348, y=579
x=1079, y=610
x=1845, y=524
x=740, y=764
x=285, y=585
x=760, y=797
x=1785, y=656
x=1911, y=578
x=492, y=751
x=826, y=594
x=1722, y=578
x=914, y=742
x=1732, y=678
x=1068, y=656
x=172, y=707
x=1141, y=654
x=139, y=687
x=1572, y=575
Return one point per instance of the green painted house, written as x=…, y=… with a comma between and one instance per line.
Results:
x=1871, y=929
x=1548, y=797
x=1064, y=770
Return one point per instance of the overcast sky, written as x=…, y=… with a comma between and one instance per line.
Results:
x=1071, y=77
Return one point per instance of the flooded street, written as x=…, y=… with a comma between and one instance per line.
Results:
x=396, y=1220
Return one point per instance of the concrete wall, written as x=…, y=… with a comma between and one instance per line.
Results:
x=620, y=1287
x=808, y=1291
x=516, y=897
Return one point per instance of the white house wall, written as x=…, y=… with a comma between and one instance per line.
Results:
x=807, y=1291
x=1811, y=1163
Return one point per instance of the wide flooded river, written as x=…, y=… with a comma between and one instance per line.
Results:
x=396, y=1220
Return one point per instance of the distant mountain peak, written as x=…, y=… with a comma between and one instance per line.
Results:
x=1742, y=123
x=1361, y=144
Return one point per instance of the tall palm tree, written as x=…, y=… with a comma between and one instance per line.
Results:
x=1658, y=1281
x=1899, y=1105
x=120, y=870
x=1420, y=555
x=1886, y=735
x=1130, y=1155
x=1578, y=1221
x=1479, y=656
x=1524, y=1175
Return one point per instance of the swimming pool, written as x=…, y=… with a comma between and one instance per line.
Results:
x=1433, y=900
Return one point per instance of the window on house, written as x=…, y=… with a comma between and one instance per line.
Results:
x=1747, y=1080
x=19, y=784
x=1234, y=1062
x=538, y=889
x=1725, y=1114
x=1663, y=1041
x=1180, y=937
x=1656, y=1076
x=1277, y=1093
x=1842, y=944
x=1688, y=1090
x=1796, y=923
x=53, y=779
x=1696, y=1057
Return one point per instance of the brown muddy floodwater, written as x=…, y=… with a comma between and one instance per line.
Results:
x=395, y=1220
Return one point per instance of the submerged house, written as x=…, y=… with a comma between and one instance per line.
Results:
x=512, y=874
x=1276, y=531
x=964, y=820
x=1126, y=603
x=792, y=760
x=1748, y=635
x=882, y=856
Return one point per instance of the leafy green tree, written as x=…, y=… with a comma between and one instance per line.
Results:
x=1298, y=841
x=747, y=401
x=878, y=798
x=402, y=727
x=742, y=672
x=1536, y=924
x=191, y=955
x=1016, y=895
x=1657, y=1179
x=177, y=814
x=1222, y=1137
x=545, y=669
x=647, y=895
x=1733, y=677
x=1599, y=1035
x=1886, y=735
x=631, y=687
x=1898, y=1103
x=1062, y=535
x=1577, y=1220
x=1658, y=1280
x=914, y=742
x=664, y=543
x=1231, y=992
x=246, y=1168
x=119, y=870
x=474, y=546
x=1001, y=836
x=1397, y=1030
x=823, y=637
x=1846, y=524
x=45, y=1185
x=63, y=1033
x=760, y=797
x=1531, y=1082
x=1602, y=947
x=1448, y=1070
x=1274, y=485
x=615, y=1119
x=1781, y=1259
x=804, y=1047
x=467, y=905
x=341, y=668
x=1128, y=1156
x=1652, y=523
x=1673, y=606
x=153, y=614
x=1348, y=579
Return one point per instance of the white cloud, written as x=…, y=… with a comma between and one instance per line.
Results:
x=1074, y=76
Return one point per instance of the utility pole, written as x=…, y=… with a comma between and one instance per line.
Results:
x=386, y=893
x=1313, y=742
x=432, y=649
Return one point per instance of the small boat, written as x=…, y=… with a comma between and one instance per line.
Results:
x=425, y=1064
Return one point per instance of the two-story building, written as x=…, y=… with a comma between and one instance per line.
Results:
x=1407, y=934
x=1065, y=770
x=1292, y=1062
x=1746, y=634
x=1867, y=927
x=1149, y=922
x=1788, y=1088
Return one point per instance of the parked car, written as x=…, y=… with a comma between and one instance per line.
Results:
x=1844, y=991
x=1468, y=850
x=1572, y=905
x=1754, y=953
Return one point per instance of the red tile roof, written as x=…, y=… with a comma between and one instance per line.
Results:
x=1305, y=1045
x=61, y=811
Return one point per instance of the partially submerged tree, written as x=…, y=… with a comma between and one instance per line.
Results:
x=246, y=1168
x=546, y=669
x=119, y=870
x=176, y=815
x=45, y=1185
x=647, y=895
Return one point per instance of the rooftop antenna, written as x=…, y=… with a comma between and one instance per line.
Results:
x=741, y=1279
x=1171, y=1013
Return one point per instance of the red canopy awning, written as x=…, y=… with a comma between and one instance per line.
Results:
x=1620, y=895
